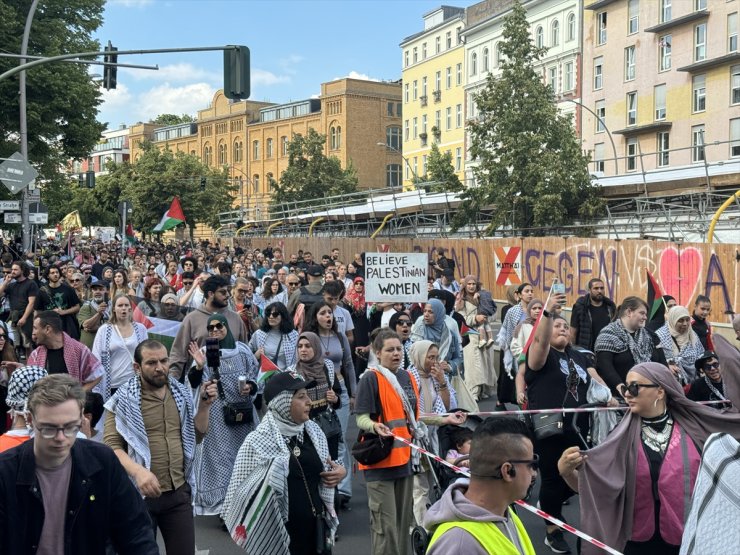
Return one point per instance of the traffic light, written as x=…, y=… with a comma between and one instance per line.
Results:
x=236, y=72
x=81, y=180
x=90, y=179
x=110, y=77
x=202, y=183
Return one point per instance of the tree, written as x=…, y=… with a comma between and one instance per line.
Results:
x=62, y=98
x=310, y=173
x=157, y=176
x=172, y=119
x=531, y=167
x=441, y=171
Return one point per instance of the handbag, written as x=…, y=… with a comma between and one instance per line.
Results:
x=371, y=448
x=329, y=423
x=547, y=425
x=234, y=413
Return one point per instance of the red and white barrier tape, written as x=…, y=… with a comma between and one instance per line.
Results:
x=523, y=504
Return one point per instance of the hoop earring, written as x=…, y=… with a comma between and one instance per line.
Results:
x=655, y=404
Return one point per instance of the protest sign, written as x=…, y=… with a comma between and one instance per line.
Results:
x=396, y=277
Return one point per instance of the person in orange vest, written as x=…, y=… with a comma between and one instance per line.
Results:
x=386, y=405
x=19, y=386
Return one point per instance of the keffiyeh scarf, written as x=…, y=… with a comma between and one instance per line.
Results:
x=614, y=338
x=107, y=331
x=81, y=363
x=19, y=386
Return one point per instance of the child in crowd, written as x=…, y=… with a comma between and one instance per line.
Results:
x=461, y=438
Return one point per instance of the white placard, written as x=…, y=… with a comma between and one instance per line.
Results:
x=36, y=218
x=396, y=277
x=10, y=205
x=12, y=218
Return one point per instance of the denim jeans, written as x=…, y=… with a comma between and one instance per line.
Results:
x=345, y=486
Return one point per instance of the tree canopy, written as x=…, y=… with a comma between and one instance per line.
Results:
x=172, y=119
x=530, y=165
x=310, y=173
x=441, y=171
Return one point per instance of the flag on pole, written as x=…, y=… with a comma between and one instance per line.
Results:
x=71, y=222
x=466, y=330
x=267, y=369
x=656, y=307
x=130, y=235
x=172, y=218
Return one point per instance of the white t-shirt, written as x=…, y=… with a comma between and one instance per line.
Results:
x=121, y=356
x=344, y=320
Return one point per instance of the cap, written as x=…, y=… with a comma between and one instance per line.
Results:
x=315, y=270
x=699, y=362
x=99, y=283
x=284, y=381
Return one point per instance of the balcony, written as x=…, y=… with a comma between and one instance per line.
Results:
x=423, y=100
x=653, y=127
x=711, y=63
x=423, y=138
x=693, y=16
x=437, y=95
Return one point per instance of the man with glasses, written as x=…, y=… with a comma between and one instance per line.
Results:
x=503, y=469
x=56, y=491
x=708, y=385
x=217, y=294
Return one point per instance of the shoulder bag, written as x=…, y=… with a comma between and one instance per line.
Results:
x=234, y=413
x=328, y=420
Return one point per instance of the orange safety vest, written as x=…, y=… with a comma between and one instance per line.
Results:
x=8, y=441
x=394, y=417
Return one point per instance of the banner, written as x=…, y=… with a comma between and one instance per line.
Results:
x=396, y=277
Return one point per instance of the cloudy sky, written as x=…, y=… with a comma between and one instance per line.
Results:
x=295, y=45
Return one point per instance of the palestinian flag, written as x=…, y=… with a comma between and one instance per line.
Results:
x=466, y=330
x=130, y=235
x=161, y=329
x=267, y=369
x=656, y=306
x=172, y=218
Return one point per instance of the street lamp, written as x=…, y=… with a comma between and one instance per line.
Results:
x=389, y=147
x=603, y=123
x=241, y=188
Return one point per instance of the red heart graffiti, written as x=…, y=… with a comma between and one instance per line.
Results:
x=680, y=274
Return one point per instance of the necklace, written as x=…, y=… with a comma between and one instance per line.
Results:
x=325, y=345
x=296, y=450
x=657, y=440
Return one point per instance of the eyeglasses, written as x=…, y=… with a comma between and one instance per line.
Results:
x=76, y=280
x=533, y=463
x=293, y=284
x=187, y=283
x=713, y=366
x=242, y=291
x=50, y=432
x=634, y=388
x=405, y=323
x=213, y=327
x=3, y=337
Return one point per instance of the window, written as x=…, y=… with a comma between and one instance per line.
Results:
x=663, y=146
x=552, y=78
x=700, y=5
x=735, y=85
x=448, y=78
x=699, y=95
x=459, y=35
x=485, y=60
x=393, y=176
x=568, y=80
x=598, y=73
x=416, y=55
x=458, y=159
x=601, y=28
x=424, y=124
x=406, y=130
x=238, y=151
x=438, y=45
x=208, y=155
x=448, y=39
x=424, y=87
x=389, y=109
x=539, y=36
x=499, y=55
x=284, y=145
x=664, y=53
x=700, y=42
x=631, y=162
x=633, y=23
x=601, y=115
x=416, y=128
x=599, y=157
x=448, y=118
x=335, y=137
x=471, y=106
x=632, y=108
x=255, y=150
x=458, y=116
x=473, y=63
x=555, y=33
x=697, y=142
x=423, y=51
x=571, y=33
x=222, y=148
x=438, y=120
x=659, y=99
x=416, y=166
x=629, y=63
x=406, y=58
x=415, y=94
x=458, y=79
x=268, y=148
x=406, y=93
x=732, y=32
x=270, y=181
x=256, y=183
x=438, y=81
x=735, y=138
x=665, y=10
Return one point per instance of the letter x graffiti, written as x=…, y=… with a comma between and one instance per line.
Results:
x=506, y=265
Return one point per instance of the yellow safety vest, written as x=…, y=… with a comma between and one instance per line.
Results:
x=489, y=536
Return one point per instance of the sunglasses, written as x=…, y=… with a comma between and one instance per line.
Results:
x=273, y=314
x=76, y=280
x=187, y=283
x=3, y=337
x=213, y=327
x=242, y=291
x=533, y=463
x=713, y=366
x=405, y=323
x=633, y=388
x=291, y=284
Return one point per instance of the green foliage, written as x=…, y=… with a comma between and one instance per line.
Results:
x=441, y=171
x=172, y=119
x=156, y=177
x=531, y=167
x=310, y=173
x=62, y=98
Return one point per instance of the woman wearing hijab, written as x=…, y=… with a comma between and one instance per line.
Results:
x=355, y=302
x=215, y=455
x=433, y=326
x=680, y=344
x=521, y=336
x=506, y=390
x=625, y=343
x=636, y=487
x=314, y=367
x=283, y=480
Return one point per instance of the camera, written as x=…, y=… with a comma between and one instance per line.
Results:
x=213, y=352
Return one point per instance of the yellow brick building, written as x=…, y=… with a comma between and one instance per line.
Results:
x=434, y=92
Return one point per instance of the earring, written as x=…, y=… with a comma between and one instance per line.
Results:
x=655, y=404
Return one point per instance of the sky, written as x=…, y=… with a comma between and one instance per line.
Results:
x=295, y=45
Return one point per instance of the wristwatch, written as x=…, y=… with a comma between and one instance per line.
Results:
x=545, y=313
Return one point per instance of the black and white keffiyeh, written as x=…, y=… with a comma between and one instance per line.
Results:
x=19, y=386
x=256, y=505
x=614, y=338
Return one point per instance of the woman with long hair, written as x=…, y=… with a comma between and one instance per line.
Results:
x=272, y=292
x=277, y=338
x=153, y=292
x=114, y=346
x=355, y=302
x=119, y=285
x=506, y=390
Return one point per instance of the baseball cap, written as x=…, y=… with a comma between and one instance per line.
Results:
x=99, y=283
x=315, y=270
x=699, y=362
x=284, y=381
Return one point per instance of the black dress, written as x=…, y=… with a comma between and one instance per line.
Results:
x=301, y=525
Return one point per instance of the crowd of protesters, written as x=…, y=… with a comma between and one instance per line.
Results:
x=243, y=411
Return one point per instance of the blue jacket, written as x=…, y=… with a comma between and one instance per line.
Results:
x=102, y=504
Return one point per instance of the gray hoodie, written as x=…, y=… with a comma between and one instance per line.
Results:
x=455, y=507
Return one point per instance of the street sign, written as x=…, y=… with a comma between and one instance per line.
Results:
x=12, y=218
x=36, y=218
x=16, y=174
x=9, y=205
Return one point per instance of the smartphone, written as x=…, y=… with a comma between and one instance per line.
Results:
x=213, y=352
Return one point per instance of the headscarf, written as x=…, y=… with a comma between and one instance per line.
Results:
x=279, y=406
x=606, y=482
x=528, y=319
x=314, y=368
x=418, y=355
x=511, y=292
x=446, y=297
x=356, y=300
x=435, y=330
x=469, y=298
x=19, y=386
x=689, y=337
x=228, y=341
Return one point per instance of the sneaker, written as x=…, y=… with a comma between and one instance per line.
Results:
x=556, y=542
